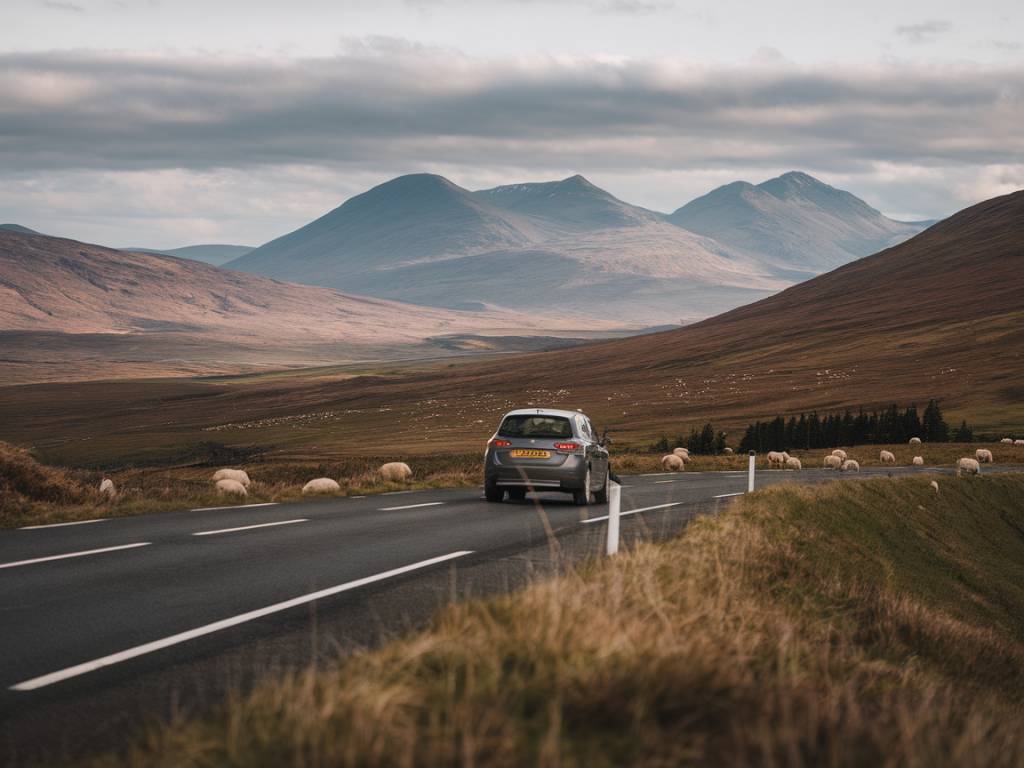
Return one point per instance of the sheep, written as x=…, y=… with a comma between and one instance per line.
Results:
x=850, y=466
x=321, y=485
x=1009, y=441
x=228, y=487
x=1018, y=442
x=968, y=465
x=681, y=452
x=832, y=462
x=918, y=461
x=238, y=475
x=396, y=471
x=840, y=453
x=775, y=457
x=915, y=441
x=672, y=463
x=984, y=455
x=886, y=457
x=793, y=463
x=935, y=486
x=107, y=488
x=727, y=451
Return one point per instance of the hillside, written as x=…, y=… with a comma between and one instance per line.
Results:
x=216, y=254
x=797, y=223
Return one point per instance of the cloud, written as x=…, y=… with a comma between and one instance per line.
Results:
x=56, y=5
x=925, y=32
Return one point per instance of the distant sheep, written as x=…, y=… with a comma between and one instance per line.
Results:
x=918, y=461
x=1018, y=442
x=228, y=487
x=396, y=471
x=915, y=441
x=850, y=466
x=107, y=487
x=832, y=462
x=840, y=453
x=1009, y=441
x=727, y=451
x=886, y=457
x=793, y=463
x=970, y=466
x=238, y=475
x=984, y=455
x=672, y=463
x=777, y=457
x=681, y=452
x=935, y=486
x=321, y=485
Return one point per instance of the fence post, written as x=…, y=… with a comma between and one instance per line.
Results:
x=750, y=473
x=614, y=504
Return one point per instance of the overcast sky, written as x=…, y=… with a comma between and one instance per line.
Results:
x=158, y=123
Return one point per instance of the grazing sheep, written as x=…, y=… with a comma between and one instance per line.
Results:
x=793, y=463
x=396, y=471
x=238, y=475
x=918, y=461
x=681, y=452
x=727, y=451
x=984, y=455
x=935, y=486
x=1018, y=442
x=1009, y=441
x=915, y=441
x=776, y=457
x=321, y=485
x=228, y=487
x=832, y=462
x=672, y=463
x=840, y=453
x=107, y=487
x=886, y=457
x=850, y=466
x=968, y=465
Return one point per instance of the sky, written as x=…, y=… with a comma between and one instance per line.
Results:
x=153, y=123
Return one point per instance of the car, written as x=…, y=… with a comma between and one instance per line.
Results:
x=544, y=449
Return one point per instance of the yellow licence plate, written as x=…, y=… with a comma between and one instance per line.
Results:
x=526, y=453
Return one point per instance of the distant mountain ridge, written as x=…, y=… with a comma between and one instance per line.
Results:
x=216, y=254
x=18, y=228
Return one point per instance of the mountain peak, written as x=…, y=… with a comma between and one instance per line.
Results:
x=18, y=228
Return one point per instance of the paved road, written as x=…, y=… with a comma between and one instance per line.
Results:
x=107, y=614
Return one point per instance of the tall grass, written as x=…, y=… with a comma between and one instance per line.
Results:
x=874, y=623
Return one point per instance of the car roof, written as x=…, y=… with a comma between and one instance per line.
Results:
x=544, y=412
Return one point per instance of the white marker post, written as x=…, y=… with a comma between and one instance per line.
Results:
x=614, y=505
x=750, y=473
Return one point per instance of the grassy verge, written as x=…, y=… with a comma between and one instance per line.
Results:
x=874, y=623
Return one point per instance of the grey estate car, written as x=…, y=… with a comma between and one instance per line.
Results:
x=540, y=449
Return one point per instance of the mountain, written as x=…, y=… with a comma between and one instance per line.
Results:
x=528, y=247
x=211, y=253
x=18, y=228
x=798, y=224
x=63, y=300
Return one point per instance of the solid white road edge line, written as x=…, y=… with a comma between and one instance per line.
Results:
x=411, y=506
x=181, y=637
x=61, y=525
x=634, y=511
x=660, y=482
x=236, y=506
x=250, y=527
x=83, y=553
x=727, y=495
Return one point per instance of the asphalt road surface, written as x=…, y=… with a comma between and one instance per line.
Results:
x=111, y=624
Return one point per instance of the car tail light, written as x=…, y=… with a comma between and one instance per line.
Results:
x=501, y=443
x=569, y=447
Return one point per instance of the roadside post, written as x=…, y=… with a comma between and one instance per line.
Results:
x=750, y=473
x=614, y=504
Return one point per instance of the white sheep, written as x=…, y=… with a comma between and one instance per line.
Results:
x=396, y=471
x=777, y=457
x=832, y=462
x=915, y=441
x=983, y=455
x=968, y=465
x=228, y=487
x=672, y=463
x=918, y=461
x=238, y=475
x=840, y=453
x=935, y=486
x=1009, y=441
x=1018, y=442
x=681, y=452
x=727, y=451
x=793, y=463
x=321, y=485
x=886, y=457
x=850, y=466
x=107, y=488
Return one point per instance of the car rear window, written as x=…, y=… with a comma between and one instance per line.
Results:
x=535, y=426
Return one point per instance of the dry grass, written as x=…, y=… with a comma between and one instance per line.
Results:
x=872, y=623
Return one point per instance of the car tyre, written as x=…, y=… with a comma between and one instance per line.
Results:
x=517, y=494
x=601, y=496
x=493, y=493
x=582, y=497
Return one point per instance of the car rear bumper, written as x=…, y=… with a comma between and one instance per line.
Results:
x=568, y=476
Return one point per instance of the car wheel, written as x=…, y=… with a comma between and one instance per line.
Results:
x=517, y=494
x=493, y=493
x=582, y=497
x=601, y=496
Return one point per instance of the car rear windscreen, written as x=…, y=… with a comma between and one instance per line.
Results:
x=535, y=426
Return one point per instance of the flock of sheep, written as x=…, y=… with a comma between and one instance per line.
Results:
x=235, y=482
x=838, y=459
